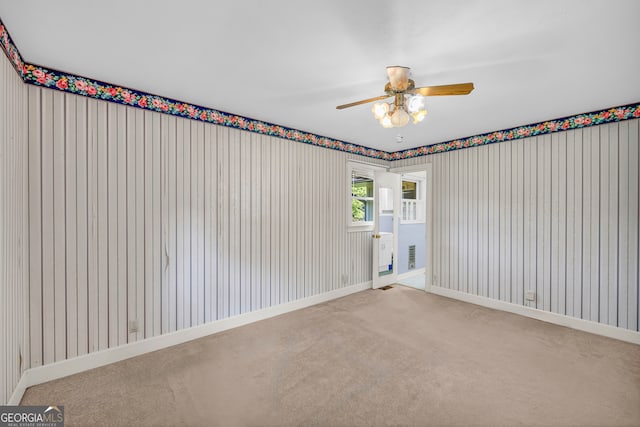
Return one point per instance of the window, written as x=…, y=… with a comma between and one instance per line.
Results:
x=412, y=209
x=361, y=198
x=361, y=195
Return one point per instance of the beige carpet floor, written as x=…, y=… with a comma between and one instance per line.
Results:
x=395, y=357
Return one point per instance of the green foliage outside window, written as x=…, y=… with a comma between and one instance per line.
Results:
x=361, y=210
x=358, y=206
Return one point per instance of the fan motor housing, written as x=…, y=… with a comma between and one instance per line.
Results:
x=391, y=92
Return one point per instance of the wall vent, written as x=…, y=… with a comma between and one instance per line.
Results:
x=412, y=257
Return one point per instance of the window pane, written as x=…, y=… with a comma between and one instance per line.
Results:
x=361, y=186
x=361, y=210
x=409, y=190
x=362, y=197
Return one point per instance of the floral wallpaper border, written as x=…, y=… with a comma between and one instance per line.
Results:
x=36, y=75
x=40, y=76
x=615, y=114
x=11, y=50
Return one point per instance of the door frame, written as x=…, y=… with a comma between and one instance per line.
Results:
x=428, y=200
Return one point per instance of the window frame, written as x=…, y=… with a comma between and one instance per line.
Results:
x=420, y=199
x=368, y=170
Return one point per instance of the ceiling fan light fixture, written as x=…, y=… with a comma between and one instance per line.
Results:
x=385, y=121
x=408, y=100
x=415, y=103
x=379, y=110
x=399, y=118
x=419, y=116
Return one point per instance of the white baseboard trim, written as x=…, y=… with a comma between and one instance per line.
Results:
x=53, y=371
x=557, y=319
x=16, y=397
x=410, y=274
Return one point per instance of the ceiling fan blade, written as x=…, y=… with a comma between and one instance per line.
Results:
x=364, y=101
x=456, y=89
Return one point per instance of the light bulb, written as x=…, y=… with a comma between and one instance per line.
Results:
x=415, y=103
x=385, y=121
x=399, y=118
x=418, y=116
x=380, y=109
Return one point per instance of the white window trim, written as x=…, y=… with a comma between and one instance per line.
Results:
x=369, y=170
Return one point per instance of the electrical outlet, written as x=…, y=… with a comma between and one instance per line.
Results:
x=345, y=279
x=530, y=295
x=133, y=326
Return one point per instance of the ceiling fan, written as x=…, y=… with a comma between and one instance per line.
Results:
x=408, y=99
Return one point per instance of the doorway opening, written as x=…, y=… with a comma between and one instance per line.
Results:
x=401, y=229
x=412, y=230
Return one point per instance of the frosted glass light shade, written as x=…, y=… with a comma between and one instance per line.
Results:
x=419, y=116
x=386, y=121
x=399, y=118
x=415, y=103
x=380, y=109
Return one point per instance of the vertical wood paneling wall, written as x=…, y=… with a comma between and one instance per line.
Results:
x=139, y=216
x=556, y=214
x=112, y=216
x=13, y=229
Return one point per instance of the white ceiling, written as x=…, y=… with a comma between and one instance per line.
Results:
x=291, y=62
